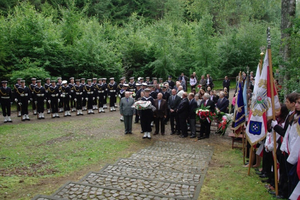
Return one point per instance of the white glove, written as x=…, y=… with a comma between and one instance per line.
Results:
x=75, y=99
x=97, y=97
x=45, y=100
x=86, y=99
x=49, y=101
x=20, y=104
x=35, y=102
x=70, y=96
x=116, y=96
x=274, y=123
x=108, y=96
x=103, y=97
x=16, y=100
x=28, y=101
x=119, y=96
x=58, y=100
x=93, y=98
x=11, y=103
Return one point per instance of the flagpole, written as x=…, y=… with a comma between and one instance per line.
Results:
x=273, y=107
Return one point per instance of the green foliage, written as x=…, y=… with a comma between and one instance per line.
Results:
x=135, y=38
x=30, y=70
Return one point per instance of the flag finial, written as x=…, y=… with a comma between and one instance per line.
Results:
x=269, y=38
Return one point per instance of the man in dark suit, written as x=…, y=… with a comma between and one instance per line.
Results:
x=205, y=125
x=223, y=103
x=160, y=113
x=173, y=103
x=192, y=115
x=170, y=82
x=226, y=84
x=183, y=113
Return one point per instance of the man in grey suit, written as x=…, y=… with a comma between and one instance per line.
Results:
x=127, y=112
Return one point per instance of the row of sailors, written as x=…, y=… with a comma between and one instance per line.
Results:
x=58, y=95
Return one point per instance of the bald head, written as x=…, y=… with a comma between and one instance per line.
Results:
x=159, y=96
x=184, y=95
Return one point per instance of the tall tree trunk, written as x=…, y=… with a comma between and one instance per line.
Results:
x=288, y=11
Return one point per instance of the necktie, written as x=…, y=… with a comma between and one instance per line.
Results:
x=127, y=100
x=205, y=103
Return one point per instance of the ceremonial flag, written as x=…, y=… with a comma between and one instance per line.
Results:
x=245, y=97
x=240, y=110
x=257, y=123
x=266, y=73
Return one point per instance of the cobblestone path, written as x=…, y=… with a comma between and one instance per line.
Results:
x=166, y=170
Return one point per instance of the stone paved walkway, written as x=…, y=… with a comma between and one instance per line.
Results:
x=166, y=170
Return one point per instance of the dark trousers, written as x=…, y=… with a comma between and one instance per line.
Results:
x=24, y=107
x=33, y=104
x=105, y=98
x=54, y=104
x=137, y=116
x=192, y=123
x=83, y=102
x=112, y=100
x=90, y=102
x=95, y=100
x=146, y=119
x=72, y=102
x=172, y=120
x=161, y=121
x=40, y=105
x=283, y=179
x=205, y=128
x=66, y=104
x=101, y=100
x=168, y=116
x=183, y=126
x=48, y=105
x=128, y=123
x=5, y=104
x=292, y=176
x=79, y=103
x=60, y=104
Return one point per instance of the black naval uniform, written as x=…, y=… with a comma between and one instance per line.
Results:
x=60, y=103
x=54, y=95
x=15, y=96
x=95, y=96
x=147, y=116
x=137, y=112
x=83, y=95
x=105, y=93
x=112, y=92
x=100, y=89
x=31, y=87
x=71, y=86
x=47, y=95
x=23, y=96
x=5, y=100
x=78, y=91
x=132, y=87
x=39, y=96
x=65, y=94
x=89, y=94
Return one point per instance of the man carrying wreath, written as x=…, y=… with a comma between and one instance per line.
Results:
x=205, y=124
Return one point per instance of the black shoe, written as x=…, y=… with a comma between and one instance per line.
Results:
x=201, y=138
x=130, y=133
x=155, y=133
x=142, y=131
x=263, y=176
x=126, y=133
x=178, y=133
x=193, y=136
x=259, y=173
x=172, y=133
x=183, y=136
x=257, y=169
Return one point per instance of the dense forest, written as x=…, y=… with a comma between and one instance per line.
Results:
x=103, y=38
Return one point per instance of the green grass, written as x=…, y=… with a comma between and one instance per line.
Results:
x=32, y=152
x=227, y=179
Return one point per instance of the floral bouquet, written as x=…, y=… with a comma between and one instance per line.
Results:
x=223, y=124
x=204, y=114
x=143, y=105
